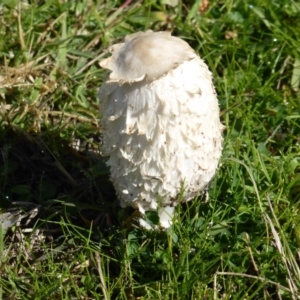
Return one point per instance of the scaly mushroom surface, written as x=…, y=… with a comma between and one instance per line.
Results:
x=160, y=121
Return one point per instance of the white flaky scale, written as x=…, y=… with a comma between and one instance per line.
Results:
x=160, y=122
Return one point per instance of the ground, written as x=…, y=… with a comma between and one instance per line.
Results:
x=64, y=235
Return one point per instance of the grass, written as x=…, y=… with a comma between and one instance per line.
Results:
x=63, y=234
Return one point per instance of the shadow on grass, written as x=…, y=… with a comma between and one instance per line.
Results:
x=39, y=171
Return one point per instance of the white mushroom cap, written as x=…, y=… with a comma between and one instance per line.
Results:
x=146, y=55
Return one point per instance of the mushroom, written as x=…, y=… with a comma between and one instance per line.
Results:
x=160, y=122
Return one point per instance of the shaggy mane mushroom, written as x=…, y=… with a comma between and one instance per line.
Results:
x=160, y=120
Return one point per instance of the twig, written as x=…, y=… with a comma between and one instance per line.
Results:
x=215, y=287
x=255, y=277
x=89, y=63
x=103, y=284
x=254, y=263
x=20, y=29
x=69, y=115
x=251, y=254
x=273, y=133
